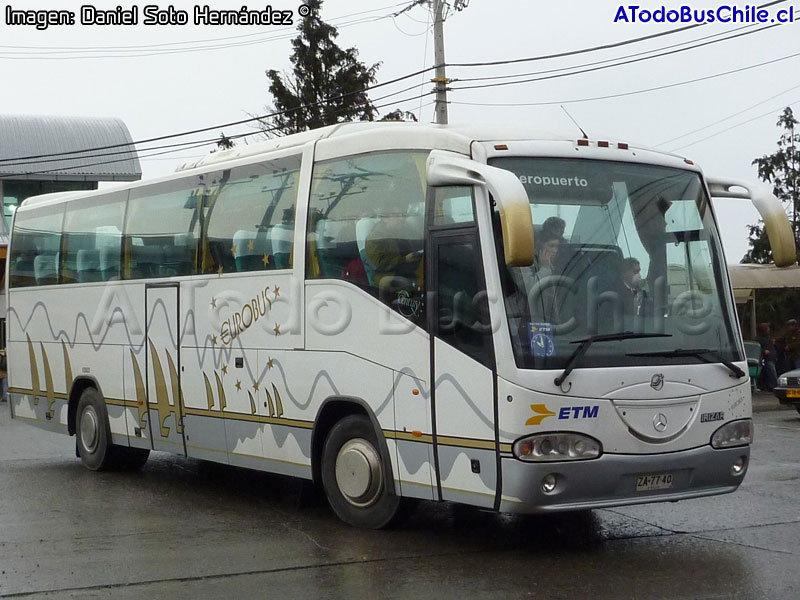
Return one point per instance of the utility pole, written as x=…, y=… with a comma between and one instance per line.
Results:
x=441, y=80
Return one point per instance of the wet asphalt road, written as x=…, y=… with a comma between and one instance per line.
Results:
x=186, y=529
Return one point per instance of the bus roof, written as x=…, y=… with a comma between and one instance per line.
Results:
x=457, y=138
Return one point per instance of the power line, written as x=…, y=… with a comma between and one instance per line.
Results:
x=188, y=145
x=607, y=60
x=736, y=114
x=603, y=67
x=727, y=129
x=634, y=92
x=369, y=88
x=594, y=48
x=222, y=125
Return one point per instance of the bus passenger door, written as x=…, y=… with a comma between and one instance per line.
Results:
x=464, y=396
x=164, y=396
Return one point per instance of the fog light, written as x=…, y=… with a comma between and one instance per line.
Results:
x=739, y=466
x=549, y=483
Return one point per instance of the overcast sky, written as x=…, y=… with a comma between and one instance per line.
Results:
x=169, y=79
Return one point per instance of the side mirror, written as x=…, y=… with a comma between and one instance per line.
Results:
x=779, y=230
x=448, y=168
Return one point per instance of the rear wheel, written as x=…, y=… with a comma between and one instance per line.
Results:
x=354, y=475
x=92, y=431
x=94, y=438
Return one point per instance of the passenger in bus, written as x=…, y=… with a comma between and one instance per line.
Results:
x=390, y=254
x=629, y=287
x=555, y=225
x=543, y=292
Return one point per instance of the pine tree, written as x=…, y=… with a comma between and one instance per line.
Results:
x=326, y=85
x=779, y=169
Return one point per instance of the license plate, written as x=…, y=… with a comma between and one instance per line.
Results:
x=793, y=393
x=646, y=483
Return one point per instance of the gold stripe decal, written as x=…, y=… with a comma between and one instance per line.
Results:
x=278, y=403
x=209, y=393
x=162, y=395
x=48, y=380
x=34, y=371
x=271, y=405
x=67, y=368
x=141, y=394
x=223, y=402
x=176, y=393
x=252, y=403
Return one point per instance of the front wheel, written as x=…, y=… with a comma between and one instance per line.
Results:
x=354, y=475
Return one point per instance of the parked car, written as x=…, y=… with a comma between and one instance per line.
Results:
x=788, y=390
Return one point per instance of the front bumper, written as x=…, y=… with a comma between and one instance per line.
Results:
x=780, y=394
x=611, y=479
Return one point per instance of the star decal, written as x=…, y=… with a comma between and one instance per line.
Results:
x=277, y=291
x=238, y=385
x=224, y=369
x=255, y=386
x=219, y=271
x=233, y=249
x=214, y=340
x=250, y=245
x=265, y=260
x=270, y=363
x=213, y=303
x=277, y=329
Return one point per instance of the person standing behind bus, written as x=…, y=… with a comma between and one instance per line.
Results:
x=769, y=358
x=791, y=344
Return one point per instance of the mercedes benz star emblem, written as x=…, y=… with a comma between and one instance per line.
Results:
x=660, y=422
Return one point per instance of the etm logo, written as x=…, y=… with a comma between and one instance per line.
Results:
x=565, y=413
x=578, y=412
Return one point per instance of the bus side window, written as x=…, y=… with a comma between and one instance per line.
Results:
x=366, y=226
x=161, y=230
x=35, y=247
x=250, y=214
x=92, y=239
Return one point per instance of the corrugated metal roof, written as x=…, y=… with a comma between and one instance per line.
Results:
x=764, y=276
x=23, y=136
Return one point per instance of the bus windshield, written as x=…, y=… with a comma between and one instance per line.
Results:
x=620, y=249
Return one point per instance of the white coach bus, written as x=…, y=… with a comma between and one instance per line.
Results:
x=365, y=306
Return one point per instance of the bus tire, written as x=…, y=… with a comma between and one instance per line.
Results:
x=354, y=476
x=93, y=436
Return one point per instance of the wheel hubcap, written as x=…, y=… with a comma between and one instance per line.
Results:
x=358, y=472
x=89, y=430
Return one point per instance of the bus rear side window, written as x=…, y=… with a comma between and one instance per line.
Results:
x=92, y=244
x=35, y=247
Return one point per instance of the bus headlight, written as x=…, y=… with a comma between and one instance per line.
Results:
x=557, y=446
x=735, y=433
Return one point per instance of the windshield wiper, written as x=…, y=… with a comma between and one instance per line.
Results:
x=585, y=343
x=704, y=354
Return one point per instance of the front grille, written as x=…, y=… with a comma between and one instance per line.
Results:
x=793, y=381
